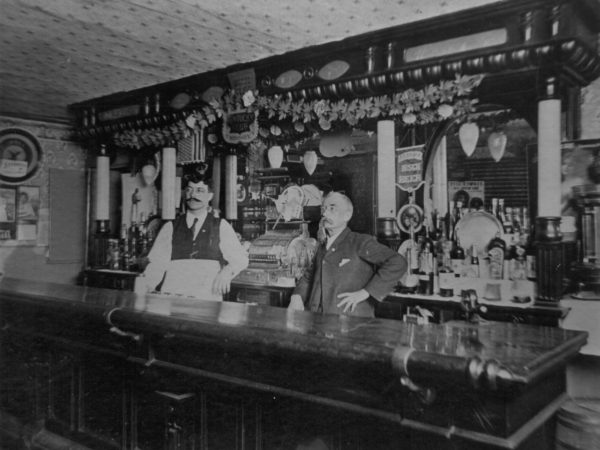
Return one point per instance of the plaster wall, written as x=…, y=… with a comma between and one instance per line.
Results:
x=29, y=259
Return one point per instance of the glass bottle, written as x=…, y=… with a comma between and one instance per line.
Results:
x=474, y=267
x=412, y=279
x=500, y=212
x=445, y=275
x=518, y=268
x=125, y=253
x=517, y=220
x=426, y=265
x=450, y=222
x=496, y=252
x=495, y=207
x=508, y=220
x=530, y=257
x=457, y=256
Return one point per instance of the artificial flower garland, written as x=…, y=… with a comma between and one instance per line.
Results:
x=433, y=103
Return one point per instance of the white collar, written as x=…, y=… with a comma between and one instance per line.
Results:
x=333, y=237
x=189, y=218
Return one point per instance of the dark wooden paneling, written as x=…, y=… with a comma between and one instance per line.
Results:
x=355, y=176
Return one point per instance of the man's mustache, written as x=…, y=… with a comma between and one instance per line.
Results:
x=193, y=198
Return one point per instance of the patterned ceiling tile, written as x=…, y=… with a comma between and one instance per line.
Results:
x=54, y=53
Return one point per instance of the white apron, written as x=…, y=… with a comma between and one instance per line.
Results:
x=192, y=278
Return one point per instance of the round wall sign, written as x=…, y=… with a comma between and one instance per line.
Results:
x=20, y=155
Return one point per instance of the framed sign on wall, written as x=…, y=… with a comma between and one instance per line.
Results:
x=20, y=155
x=8, y=212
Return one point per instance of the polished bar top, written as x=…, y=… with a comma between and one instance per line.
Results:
x=521, y=354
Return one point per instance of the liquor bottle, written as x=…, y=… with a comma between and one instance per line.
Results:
x=412, y=279
x=518, y=260
x=457, y=256
x=474, y=266
x=141, y=234
x=494, y=211
x=123, y=234
x=525, y=222
x=509, y=256
x=441, y=238
x=458, y=212
x=517, y=220
x=450, y=222
x=444, y=272
x=125, y=255
x=144, y=242
x=426, y=265
x=508, y=220
x=496, y=251
x=427, y=241
x=530, y=258
x=500, y=211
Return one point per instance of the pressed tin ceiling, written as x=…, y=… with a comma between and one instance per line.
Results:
x=57, y=52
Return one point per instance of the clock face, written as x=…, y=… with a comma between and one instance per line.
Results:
x=20, y=155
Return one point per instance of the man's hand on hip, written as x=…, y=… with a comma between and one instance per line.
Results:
x=351, y=299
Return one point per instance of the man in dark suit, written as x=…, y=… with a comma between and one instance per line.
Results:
x=351, y=271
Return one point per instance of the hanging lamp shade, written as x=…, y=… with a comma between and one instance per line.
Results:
x=468, y=134
x=275, y=155
x=497, y=144
x=310, y=161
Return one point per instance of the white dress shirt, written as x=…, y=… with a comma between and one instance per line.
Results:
x=160, y=255
x=332, y=238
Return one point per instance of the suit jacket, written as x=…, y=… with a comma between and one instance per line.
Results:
x=354, y=261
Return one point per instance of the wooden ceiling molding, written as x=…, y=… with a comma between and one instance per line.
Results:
x=516, y=44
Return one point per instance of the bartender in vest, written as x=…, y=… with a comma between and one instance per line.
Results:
x=197, y=254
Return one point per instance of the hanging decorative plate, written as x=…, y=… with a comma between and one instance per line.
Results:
x=212, y=93
x=333, y=70
x=288, y=79
x=180, y=101
x=20, y=155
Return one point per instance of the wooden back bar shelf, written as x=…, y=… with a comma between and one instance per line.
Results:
x=112, y=369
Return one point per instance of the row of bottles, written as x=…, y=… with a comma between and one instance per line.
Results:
x=438, y=261
x=512, y=219
x=130, y=250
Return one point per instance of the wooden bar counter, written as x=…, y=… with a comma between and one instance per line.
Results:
x=101, y=368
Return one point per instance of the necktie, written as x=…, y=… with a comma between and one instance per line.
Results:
x=193, y=227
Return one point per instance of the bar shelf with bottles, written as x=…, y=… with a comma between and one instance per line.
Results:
x=499, y=267
x=125, y=257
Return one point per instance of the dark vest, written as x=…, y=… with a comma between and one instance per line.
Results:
x=206, y=244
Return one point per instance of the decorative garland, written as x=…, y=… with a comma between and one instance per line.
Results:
x=433, y=103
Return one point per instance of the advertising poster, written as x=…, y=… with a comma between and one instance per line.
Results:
x=8, y=212
x=470, y=193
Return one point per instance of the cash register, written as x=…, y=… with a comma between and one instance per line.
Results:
x=278, y=257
